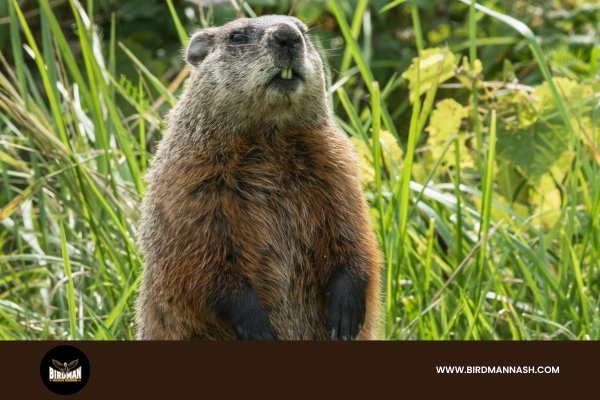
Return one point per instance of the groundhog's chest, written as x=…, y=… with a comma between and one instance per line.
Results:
x=273, y=202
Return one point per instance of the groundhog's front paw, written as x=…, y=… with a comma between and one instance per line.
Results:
x=254, y=326
x=242, y=310
x=346, y=306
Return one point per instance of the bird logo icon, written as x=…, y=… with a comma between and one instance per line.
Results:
x=64, y=367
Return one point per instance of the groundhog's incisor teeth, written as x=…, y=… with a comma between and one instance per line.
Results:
x=286, y=73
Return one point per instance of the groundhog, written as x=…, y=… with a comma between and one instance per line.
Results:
x=254, y=225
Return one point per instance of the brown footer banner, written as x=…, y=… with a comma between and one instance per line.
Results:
x=115, y=370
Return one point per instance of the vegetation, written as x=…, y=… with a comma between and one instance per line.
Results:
x=477, y=127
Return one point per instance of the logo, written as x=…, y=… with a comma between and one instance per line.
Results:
x=65, y=370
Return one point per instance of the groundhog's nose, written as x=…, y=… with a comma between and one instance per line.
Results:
x=286, y=40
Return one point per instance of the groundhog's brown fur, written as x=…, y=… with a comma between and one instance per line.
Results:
x=254, y=225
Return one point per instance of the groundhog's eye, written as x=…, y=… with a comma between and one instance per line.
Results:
x=238, y=37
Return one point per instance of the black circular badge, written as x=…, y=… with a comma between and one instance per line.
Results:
x=65, y=370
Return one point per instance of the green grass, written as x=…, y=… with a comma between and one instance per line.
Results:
x=462, y=258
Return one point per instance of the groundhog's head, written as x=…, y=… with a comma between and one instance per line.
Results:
x=258, y=70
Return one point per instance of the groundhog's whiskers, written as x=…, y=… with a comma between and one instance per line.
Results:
x=314, y=27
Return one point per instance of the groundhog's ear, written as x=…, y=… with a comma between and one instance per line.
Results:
x=199, y=46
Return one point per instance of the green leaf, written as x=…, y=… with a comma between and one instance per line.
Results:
x=426, y=68
x=533, y=150
x=470, y=73
x=390, y=146
x=444, y=124
x=536, y=138
x=365, y=162
x=446, y=119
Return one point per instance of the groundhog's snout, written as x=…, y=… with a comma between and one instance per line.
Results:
x=286, y=41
